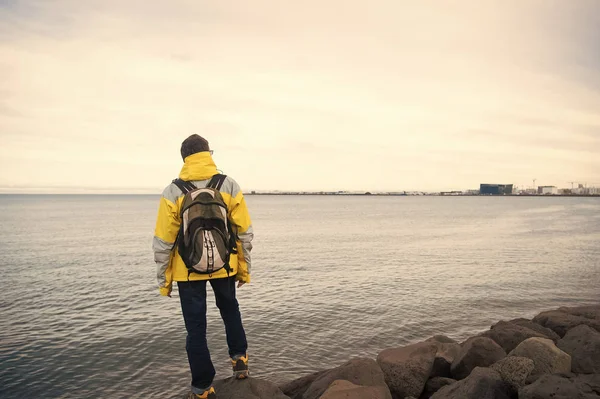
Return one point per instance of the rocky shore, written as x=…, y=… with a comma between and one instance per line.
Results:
x=555, y=355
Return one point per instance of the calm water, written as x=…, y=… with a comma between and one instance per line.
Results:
x=333, y=278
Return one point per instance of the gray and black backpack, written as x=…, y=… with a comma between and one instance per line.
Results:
x=205, y=240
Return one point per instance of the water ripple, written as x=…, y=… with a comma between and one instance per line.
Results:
x=333, y=278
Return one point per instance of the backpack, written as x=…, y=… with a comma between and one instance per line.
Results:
x=205, y=240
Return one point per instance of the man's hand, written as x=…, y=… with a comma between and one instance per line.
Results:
x=240, y=284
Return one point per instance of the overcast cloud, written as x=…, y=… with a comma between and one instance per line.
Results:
x=303, y=95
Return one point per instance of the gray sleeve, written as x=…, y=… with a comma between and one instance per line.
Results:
x=162, y=249
x=246, y=241
x=162, y=256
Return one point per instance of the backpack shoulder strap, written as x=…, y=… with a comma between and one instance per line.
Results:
x=184, y=186
x=217, y=181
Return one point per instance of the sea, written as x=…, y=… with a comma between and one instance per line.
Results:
x=333, y=277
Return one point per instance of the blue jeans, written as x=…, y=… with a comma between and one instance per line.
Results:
x=193, y=305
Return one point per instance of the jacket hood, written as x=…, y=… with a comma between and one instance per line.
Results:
x=198, y=166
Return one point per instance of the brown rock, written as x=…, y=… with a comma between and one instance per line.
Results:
x=294, y=389
x=359, y=371
x=509, y=335
x=536, y=327
x=434, y=384
x=476, y=352
x=591, y=312
x=482, y=383
x=250, y=388
x=342, y=389
x=562, y=320
x=447, y=351
x=588, y=382
x=407, y=369
x=583, y=344
x=514, y=371
x=547, y=358
x=562, y=387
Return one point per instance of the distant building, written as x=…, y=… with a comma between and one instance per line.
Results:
x=586, y=190
x=496, y=189
x=547, y=190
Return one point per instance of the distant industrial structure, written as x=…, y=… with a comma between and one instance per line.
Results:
x=484, y=189
x=495, y=189
x=547, y=190
x=510, y=189
x=581, y=189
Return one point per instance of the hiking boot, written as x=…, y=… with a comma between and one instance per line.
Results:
x=208, y=394
x=240, y=367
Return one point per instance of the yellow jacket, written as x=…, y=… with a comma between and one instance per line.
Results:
x=199, y=168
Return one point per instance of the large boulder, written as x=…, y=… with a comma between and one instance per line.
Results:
x=482, y=383
x=547, y=358
x=359, y=371
x=407, y=369
x=583, y=344
x=558, y=386
x=509, y=335
x=296, y=388
x=342, y=389
x=447, y=351
x=514, y=371
x=434, y=384
x=563, y=319
x=476, y=352
x=250, y=388
x=536, y=327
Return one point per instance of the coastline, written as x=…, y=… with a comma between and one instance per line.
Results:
x=556, y=355
x=416, y=195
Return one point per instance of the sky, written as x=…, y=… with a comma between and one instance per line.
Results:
x=97, y=96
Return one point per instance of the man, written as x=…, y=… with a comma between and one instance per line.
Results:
x=199, y=169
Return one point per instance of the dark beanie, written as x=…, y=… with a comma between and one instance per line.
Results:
x=192, y=145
